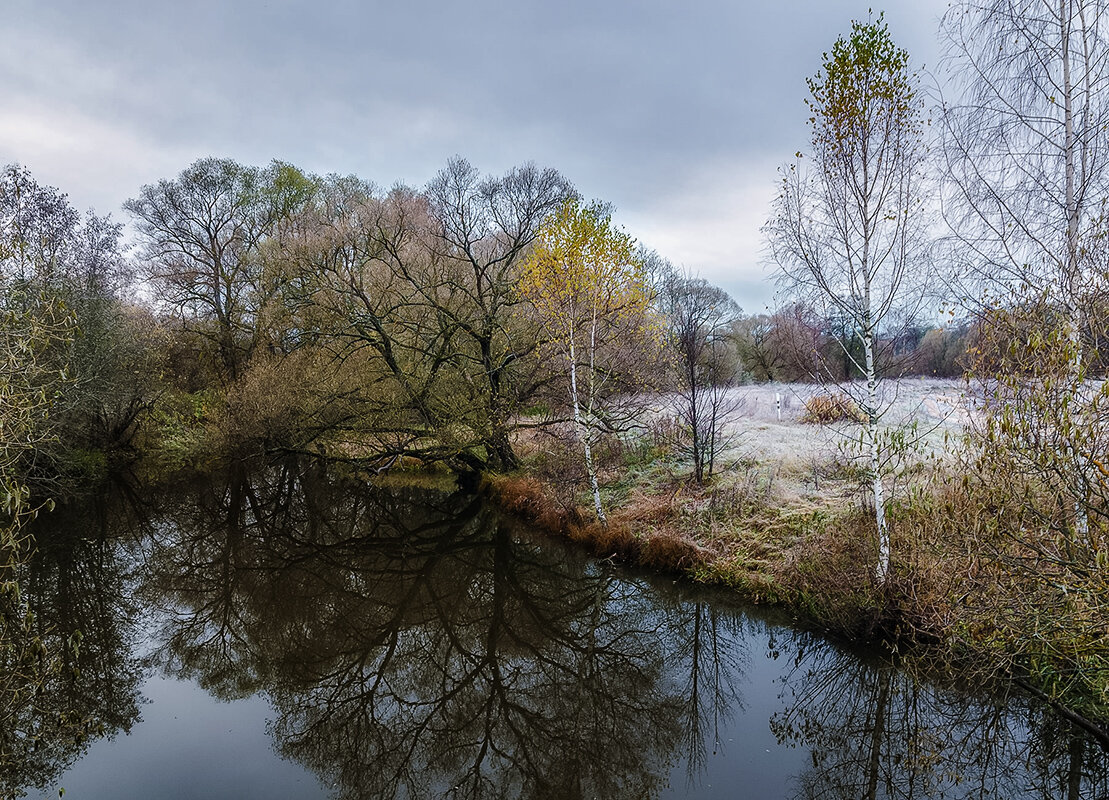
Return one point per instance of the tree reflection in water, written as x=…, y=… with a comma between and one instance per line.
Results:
x=85, y=680
x=413, y=645
x=874, y=731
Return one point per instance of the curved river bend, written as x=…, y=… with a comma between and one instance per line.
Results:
x=283, y=634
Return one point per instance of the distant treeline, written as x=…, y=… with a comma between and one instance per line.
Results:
x=795, y=344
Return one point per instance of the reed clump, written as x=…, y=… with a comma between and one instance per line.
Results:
x=824, y=409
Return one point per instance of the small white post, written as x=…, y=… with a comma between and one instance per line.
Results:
x=778, y=404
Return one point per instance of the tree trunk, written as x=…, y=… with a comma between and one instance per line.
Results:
x=594, y=485
x=878, y=732
x=1075, y=752
x=502, y=457
x=1071, y=269
x=583, y=431
x=882, y=569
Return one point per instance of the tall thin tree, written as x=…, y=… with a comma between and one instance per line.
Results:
x=847, y=233
x=588, y=285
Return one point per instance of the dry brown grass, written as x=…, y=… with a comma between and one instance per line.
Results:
x=527, y=498
x=639, y=534
x=823, y=409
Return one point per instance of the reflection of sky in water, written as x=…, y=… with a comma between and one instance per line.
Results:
x=621, y=682
x=189, y=745
x=747, y=761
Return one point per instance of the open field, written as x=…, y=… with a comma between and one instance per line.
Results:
x=784, y=492
x=766, y=428
x=775, y=472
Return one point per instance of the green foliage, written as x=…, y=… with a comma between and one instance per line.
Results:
x=54, y=260
x=1047, y=417
x=32, y=328
x=863, y=96
x=1037, y=457
x=178, y=437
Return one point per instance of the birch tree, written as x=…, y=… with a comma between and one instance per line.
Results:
x=1027, y=144
x=588, y=285
x=847, y=231
x=1027, y=156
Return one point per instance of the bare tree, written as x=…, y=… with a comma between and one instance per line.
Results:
x=421, y=289
x=847, y=233
x=365, y=284
x=484, y=226
x=700, y=318
x=1027, y=144
x=202, y=231
x=47, y=243
x=1027, y=154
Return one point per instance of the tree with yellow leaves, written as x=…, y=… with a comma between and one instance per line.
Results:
x=589, y=288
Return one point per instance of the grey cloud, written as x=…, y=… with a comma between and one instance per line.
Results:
x=628, y=98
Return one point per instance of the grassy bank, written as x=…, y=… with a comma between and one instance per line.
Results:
x=969, y=590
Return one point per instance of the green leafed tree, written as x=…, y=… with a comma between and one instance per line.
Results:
x=30, y=328
x=52, y=252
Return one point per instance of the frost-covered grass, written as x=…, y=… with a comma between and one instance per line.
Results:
x=777, y=476
x=766, y=423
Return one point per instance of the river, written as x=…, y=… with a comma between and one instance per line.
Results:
x=286, y=633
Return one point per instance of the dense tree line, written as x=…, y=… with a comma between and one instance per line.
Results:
x=269, y=309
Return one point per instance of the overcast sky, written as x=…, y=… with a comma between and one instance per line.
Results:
x=678, y=113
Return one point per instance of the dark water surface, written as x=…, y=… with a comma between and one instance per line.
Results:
x=283, y=634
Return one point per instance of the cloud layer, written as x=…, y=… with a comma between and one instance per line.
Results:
x=677, y=113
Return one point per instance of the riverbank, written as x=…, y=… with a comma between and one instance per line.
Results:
x=785, y=523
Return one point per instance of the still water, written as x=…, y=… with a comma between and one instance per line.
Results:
x=285, y=634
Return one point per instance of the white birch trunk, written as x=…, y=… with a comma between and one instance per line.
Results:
x=882, y=569
x=583, y=430
x=1072, y=274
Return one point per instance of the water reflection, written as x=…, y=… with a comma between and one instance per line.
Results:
x=81, y=678
x=876, y=732
x=412, y=645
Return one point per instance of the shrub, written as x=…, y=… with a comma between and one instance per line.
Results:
x=821, y=409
